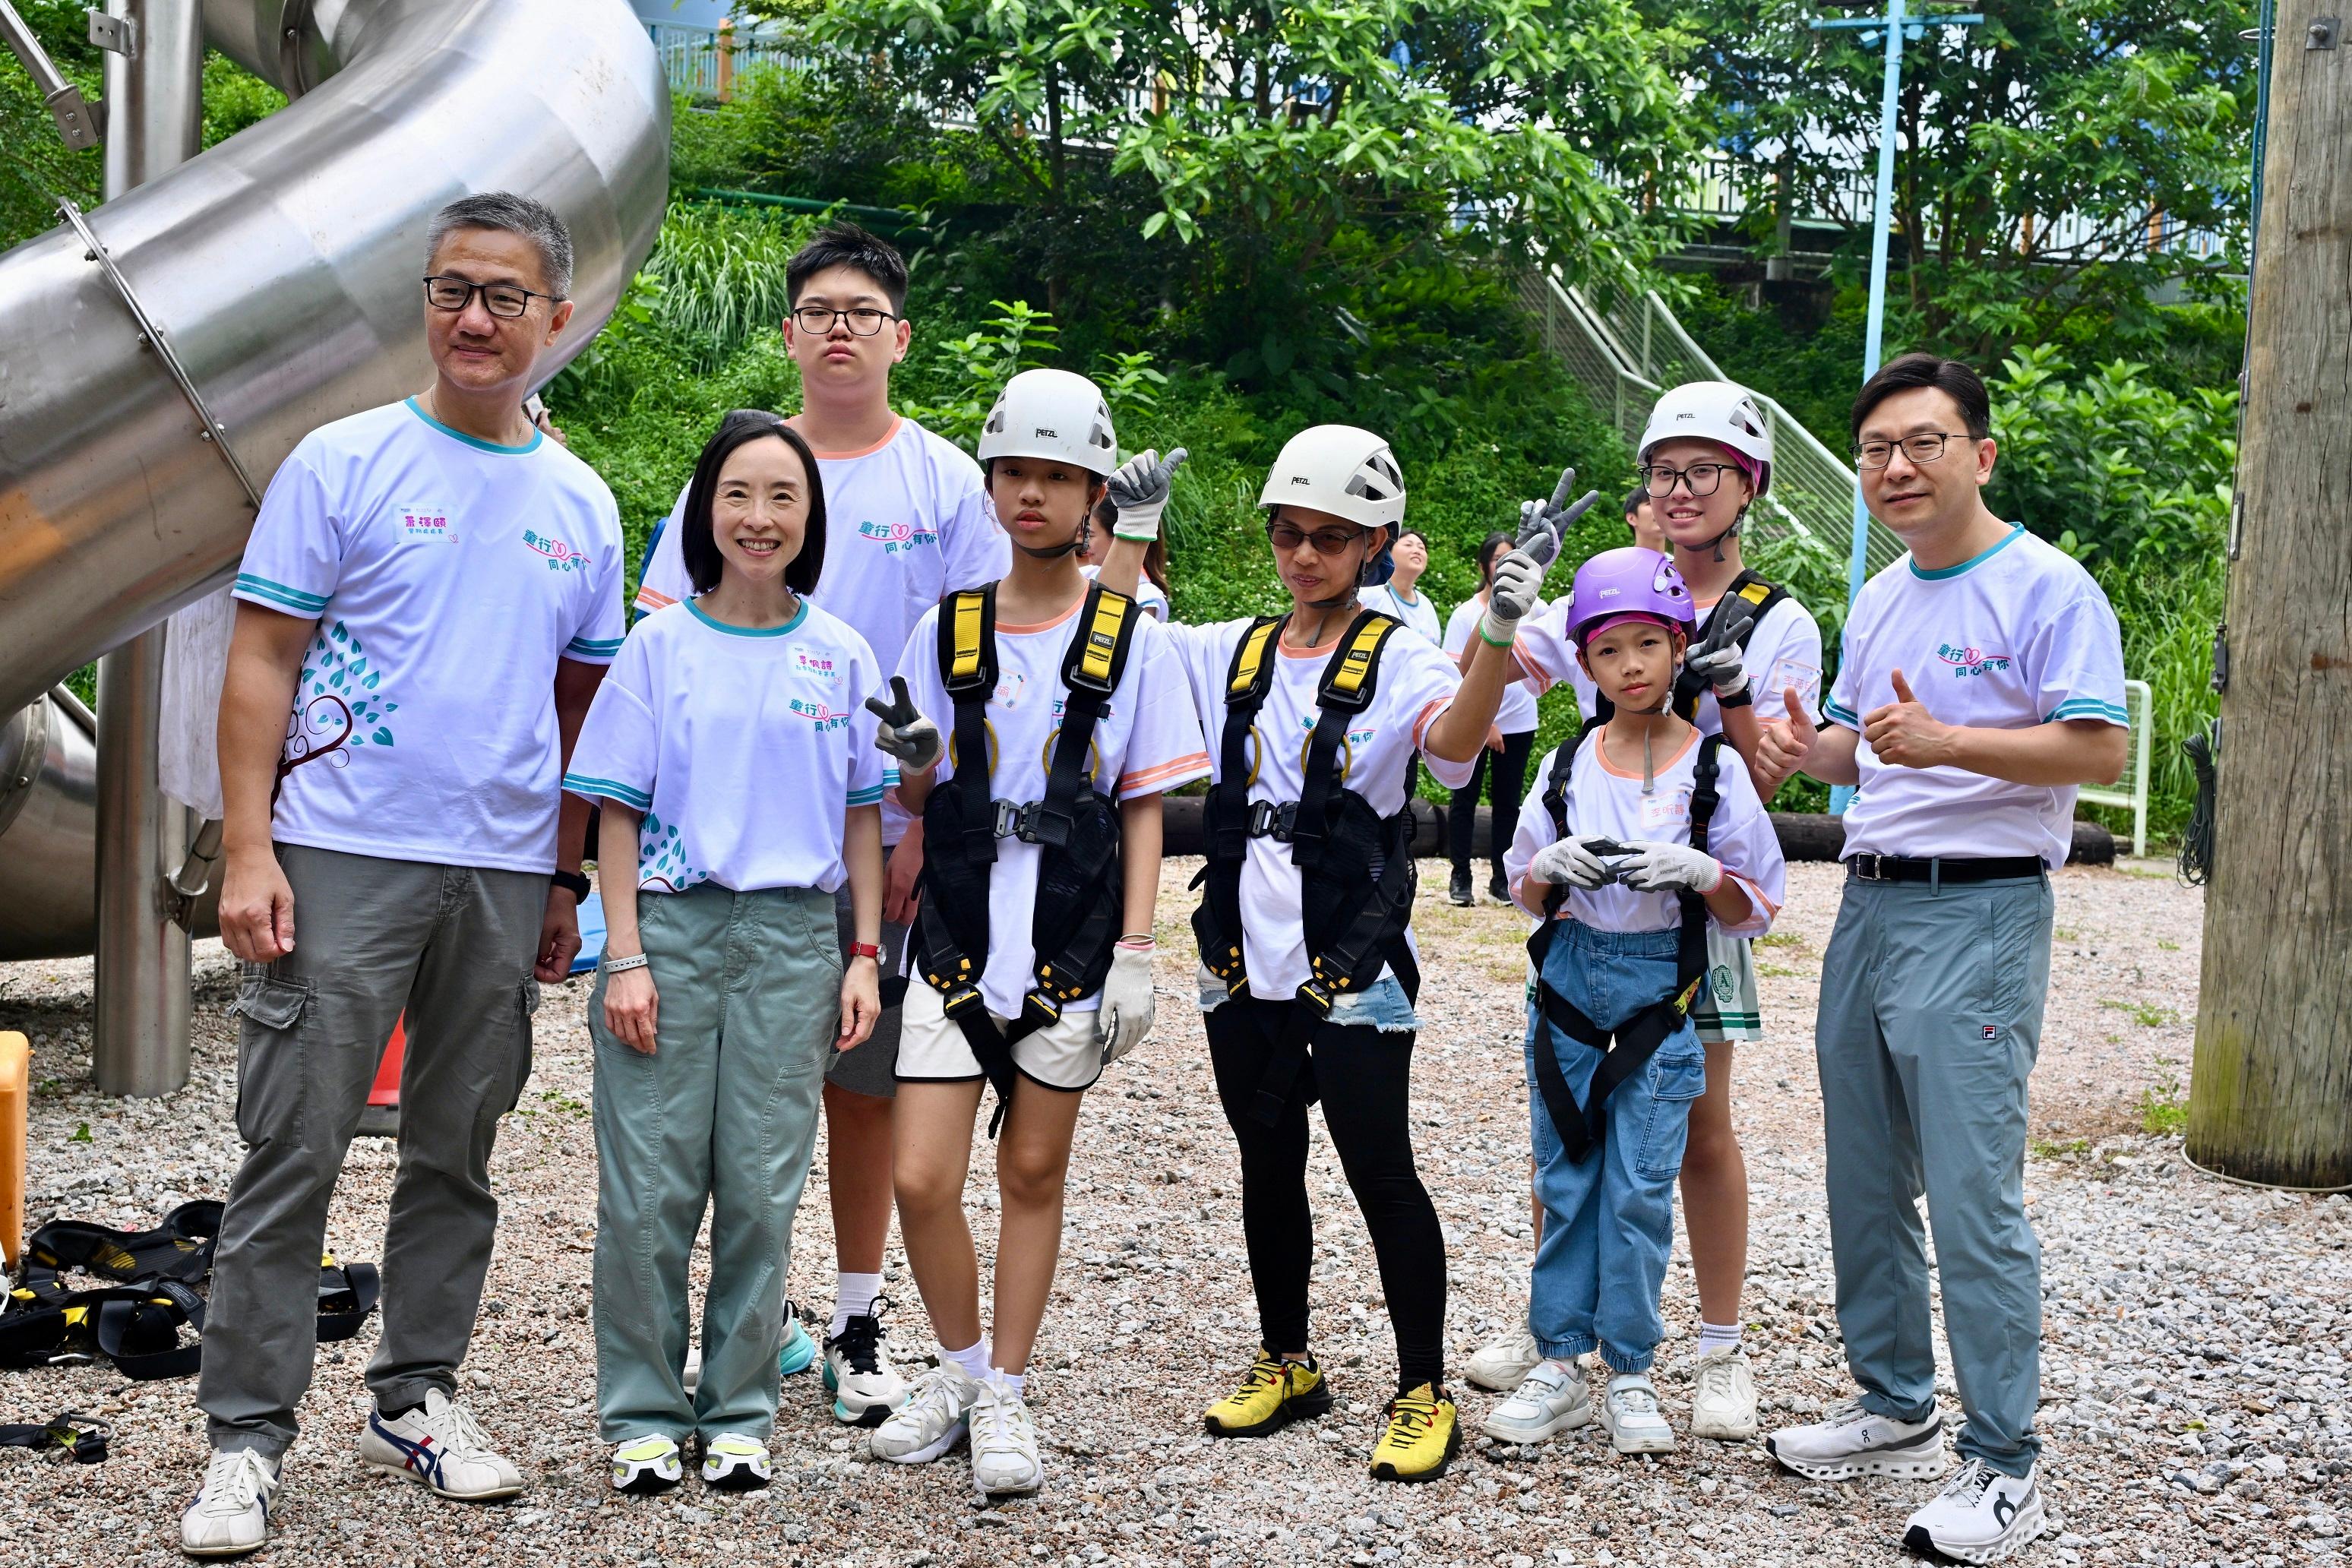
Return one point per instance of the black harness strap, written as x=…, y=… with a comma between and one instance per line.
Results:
x=83, y=1437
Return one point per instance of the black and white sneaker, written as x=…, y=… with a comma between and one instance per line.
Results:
x=1980, y=1516
x=858, y=1371
x=1850, y=1441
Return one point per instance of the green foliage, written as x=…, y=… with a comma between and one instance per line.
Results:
x=718, y=275
x=35, y=166
x=235, y=98
x=2164, y=1105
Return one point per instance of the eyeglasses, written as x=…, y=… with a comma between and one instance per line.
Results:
x=864, y=319
x=1924, y=448
x=1704, y=478
x=1327, y=540
x=504, y=300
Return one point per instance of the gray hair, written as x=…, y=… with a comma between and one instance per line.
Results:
x=509, y=213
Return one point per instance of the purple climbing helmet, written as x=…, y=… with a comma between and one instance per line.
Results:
x=1628, y=584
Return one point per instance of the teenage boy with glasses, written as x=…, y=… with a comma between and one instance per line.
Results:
x=1981, y=684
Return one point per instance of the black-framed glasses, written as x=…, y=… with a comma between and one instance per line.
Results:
x=1286, y=537
x=865, y=321
x=449, y=292
x=1658, y=480
x=1926, y=447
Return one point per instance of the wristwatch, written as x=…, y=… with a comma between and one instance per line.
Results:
x=865, y=950
x=574, y=883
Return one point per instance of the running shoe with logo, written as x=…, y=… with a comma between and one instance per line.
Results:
x=1551, y=1399
x=229, y=1516
x=858, y=1371
x=798, y=1352
x=733, y=1462
x=1980, y=1516
x=1004, y=1459
x=1630, y=1415
x=1503, y=1364
x=1723, y=1397
x=1849, y=1441
x=440, y=1447
x=1274, y=1393
x=644, y=1466
x=1423, y=1435
x=930, y=1418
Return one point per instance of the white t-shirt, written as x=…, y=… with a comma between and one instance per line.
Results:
x=1415, y=684
x=1606, y=800
x=1147, y=740
x=448, y=576
x=1517, y=716
x=1784, y=651
x=743, y=749
x=2017, y=636
x=907, y=522
x=1417, y=613
x=1146, y=592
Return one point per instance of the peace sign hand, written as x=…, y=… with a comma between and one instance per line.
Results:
x=1716, y=657
x=905, y=734
x=1904, y=733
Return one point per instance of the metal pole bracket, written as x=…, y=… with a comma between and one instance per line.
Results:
x=116, y=34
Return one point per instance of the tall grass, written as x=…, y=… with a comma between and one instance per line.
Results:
x=2168, y=627
x=720, y=272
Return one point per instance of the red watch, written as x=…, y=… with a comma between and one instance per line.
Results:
x=865, y=950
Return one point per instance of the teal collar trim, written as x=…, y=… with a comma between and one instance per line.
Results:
x=716, y=625
x=1403, y=597
x=476, y=441
x=1938, y=574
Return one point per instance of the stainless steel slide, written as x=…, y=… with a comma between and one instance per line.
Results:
x=263, y=288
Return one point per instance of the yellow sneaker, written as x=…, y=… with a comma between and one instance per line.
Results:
x=1424, y=1433
x=1274, y=1393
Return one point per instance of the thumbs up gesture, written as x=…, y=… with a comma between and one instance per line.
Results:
x=1783, y=743
x=1904, y=733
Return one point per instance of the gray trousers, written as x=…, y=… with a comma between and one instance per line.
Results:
x=1930, y=1020
x=453, y=947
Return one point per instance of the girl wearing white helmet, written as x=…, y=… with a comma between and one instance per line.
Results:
x=1706, y=460
x=1036, y=721
x=1308, y=970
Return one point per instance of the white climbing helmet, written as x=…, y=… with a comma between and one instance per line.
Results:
x=1338, y=468
x=1718, y=411
x=1056, y=415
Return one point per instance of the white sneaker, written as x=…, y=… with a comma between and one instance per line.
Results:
x=1503, y=1364
x=1630, y=1415
x=857, y=1373
x=1551, y=1400
x=930, y=1417
x=442, y=1448
x=643, y=1466
x=1980, y=1516
x=733, y=1462
x=1723, y=1404
x=1850, y=1441
x=1004, y=1459
x=230, y=1515
x=691, y=1377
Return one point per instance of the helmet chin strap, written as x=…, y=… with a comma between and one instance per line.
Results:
x=1077, y=542
x=1716, y=544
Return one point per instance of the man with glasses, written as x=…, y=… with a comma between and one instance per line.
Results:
x=427, y=604
x=1981, y=684
x=909, y=526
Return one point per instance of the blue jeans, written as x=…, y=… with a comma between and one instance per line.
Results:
x=1609, y=1222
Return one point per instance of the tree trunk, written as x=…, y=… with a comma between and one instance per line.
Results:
x=2270, y=1091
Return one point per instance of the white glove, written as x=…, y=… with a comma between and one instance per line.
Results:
x=1569, y=862
x=905, y=734
x=1655, y=868
x=1140, y=490
x=1125, y=1016
x=1519, y=574
x=1716, y=657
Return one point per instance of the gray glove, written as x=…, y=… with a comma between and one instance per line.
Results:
x=1569, y=862
x=1125, y=1016
x=1140, y=490
x=905, y=734
x=1654, y=867
x=1519, y=574
x=1716, y=656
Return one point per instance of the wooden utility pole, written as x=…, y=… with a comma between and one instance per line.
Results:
x=2270, y=1091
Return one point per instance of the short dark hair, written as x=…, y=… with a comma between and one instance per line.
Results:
x=1948, y=376
x=509, y=213
x=847, y=244
x=1413, y=533
x=1490, y=549
x=1634, y=498
x=695, y=542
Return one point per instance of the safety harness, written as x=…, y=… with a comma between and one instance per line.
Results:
x=82, y=1437
x=1080, y=898
x=1627, y=1049
x=1355, y=867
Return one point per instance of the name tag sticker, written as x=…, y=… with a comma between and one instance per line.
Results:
x=1664, y=810
x=423, y=521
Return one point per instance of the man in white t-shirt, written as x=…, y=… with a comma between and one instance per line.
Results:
x=1399, y=596
x=909, y=524
x=428, y=601
x=1981, y=683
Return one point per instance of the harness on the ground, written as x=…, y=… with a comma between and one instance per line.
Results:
x=1355, y=867
x=1627, y=1049
x=83, y=1437
x=1080, y=895
x=1758, y=595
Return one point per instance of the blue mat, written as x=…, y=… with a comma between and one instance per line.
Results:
x=592, y=934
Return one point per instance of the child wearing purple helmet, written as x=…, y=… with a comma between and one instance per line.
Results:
x=1649, y=834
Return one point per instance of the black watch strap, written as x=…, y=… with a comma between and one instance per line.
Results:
x=573, y=882
x=1743, y=698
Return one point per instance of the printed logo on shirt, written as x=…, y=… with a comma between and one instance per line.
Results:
x=1108, y=714
x=1966, y=659
x=820, y=714
x=561, y=557
x=1727, y=984
x=1354, y=736
x=897, y=538
x=421, y=521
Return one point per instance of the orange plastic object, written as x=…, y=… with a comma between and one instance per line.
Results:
x=386, y=1088
x=16, y=1096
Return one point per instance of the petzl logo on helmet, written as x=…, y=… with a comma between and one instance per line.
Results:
x=1047, y=434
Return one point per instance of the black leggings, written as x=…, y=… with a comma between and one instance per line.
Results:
x=1365, y=1087
x=1507, y=772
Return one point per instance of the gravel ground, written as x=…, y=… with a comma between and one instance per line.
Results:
x=2195, y=1398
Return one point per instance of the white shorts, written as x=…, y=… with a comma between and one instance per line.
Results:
x=1728, y=1007
x=1065, y=1054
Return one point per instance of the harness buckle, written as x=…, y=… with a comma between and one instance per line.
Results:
x=1274, y=820
x=1016, y=819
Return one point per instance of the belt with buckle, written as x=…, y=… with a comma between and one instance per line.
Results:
x=1937, y=868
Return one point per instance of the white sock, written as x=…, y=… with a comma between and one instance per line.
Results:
x=1017, y=1382
x=1718, y=1336
x=972, y=1359
x=853, y=1297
